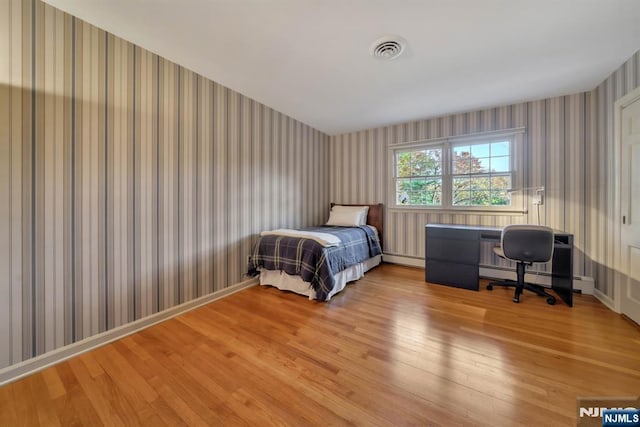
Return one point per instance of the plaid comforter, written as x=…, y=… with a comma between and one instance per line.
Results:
x=310, y=260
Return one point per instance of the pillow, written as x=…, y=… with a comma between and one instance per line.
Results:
x=363, y=210
x=344, y=218
x=348, y=216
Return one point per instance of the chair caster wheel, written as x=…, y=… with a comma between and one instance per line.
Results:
x=516, y=300
x=551, y=300
x=489, y=287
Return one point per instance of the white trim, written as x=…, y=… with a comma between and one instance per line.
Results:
x=403, y=260
x=582, y=283
x=460, y=138
x=517, y=141
x=31, y=366
x=458, y=211
x=585, y=284
x=604, y=299
x=488, y=272
x=619, y=263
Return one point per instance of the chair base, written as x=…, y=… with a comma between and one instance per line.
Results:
x=537, y=289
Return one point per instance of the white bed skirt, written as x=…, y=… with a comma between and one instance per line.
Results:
x=286, y=282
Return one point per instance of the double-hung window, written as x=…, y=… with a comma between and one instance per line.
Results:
x=481, y=173
x=474, y=172
x=419, y=176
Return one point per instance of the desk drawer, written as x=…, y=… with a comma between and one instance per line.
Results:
x=459, y=251
x=452, y=274
x=451, y=233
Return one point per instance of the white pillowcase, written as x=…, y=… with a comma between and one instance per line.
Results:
x=362, y=210
x=348, y=216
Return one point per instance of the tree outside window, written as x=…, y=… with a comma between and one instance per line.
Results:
x=457, y=175
x=481, y=174
x=419, y=177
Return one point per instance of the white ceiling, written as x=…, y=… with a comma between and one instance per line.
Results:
x=310, y=58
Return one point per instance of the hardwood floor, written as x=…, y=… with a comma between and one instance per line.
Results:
x=389, y=350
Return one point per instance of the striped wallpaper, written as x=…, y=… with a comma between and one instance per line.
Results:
x=554, y=157
x=568, y=150
x=602, y=173
x=129, y=184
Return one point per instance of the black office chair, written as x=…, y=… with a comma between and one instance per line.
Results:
x=525, y=244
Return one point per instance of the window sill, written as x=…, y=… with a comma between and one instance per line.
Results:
x=461, y=211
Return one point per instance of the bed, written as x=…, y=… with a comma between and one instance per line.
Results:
x=318, y=262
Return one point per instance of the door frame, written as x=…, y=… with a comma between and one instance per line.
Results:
x=620, y=263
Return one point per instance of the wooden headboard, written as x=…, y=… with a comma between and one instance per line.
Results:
x=374, y=217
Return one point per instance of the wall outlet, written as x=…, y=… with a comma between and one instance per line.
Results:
x=538, y=198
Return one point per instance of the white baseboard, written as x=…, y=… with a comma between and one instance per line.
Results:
x=582, y=283
x=403, y=260
x=506, y=274
x=606, y=300
x=30, y=366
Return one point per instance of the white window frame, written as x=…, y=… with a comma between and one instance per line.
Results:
x=514, y=136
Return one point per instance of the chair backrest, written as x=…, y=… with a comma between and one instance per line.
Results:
x=529, y=243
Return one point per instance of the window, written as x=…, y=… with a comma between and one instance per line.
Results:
x=419, y=177
x=470, y=172
x=481, y=174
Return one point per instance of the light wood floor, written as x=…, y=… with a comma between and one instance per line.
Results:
x=389, y=350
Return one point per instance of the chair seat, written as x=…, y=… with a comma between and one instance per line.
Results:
x=498, y=251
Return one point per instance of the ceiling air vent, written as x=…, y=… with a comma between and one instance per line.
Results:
x=388, y=47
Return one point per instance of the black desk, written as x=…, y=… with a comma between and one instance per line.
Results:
x=452, y=257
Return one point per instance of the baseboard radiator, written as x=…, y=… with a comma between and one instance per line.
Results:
x=581, y=284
